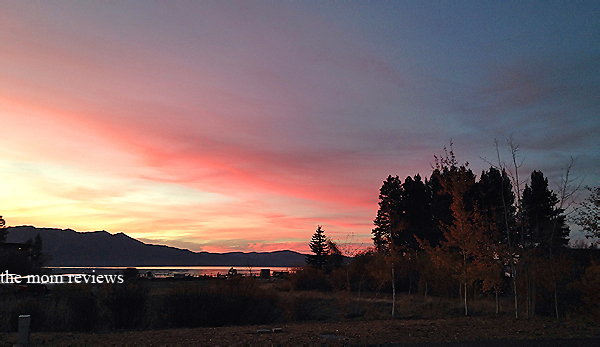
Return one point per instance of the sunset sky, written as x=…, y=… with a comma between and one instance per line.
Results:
x=243, y=125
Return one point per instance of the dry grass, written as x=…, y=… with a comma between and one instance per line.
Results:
x=311, y=317
x=362, y=331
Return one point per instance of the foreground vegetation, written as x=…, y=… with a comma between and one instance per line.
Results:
x=349, y=293
x=497, y=331
x=168, y=312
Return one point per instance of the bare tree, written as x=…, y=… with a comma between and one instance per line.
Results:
x=588, y=213
x=514, y=148
x=566, y=193
x=514, y=176
x=502, y=167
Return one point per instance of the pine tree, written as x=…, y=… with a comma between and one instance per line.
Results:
x=387, y=221
x=545, y=226
x=440, y=206
x=319, y=245
x=405, y=213
x=417, y=218
x=495, y=199
x=546, y=235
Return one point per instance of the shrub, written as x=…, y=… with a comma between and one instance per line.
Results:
x=305, y=308
x=235, y=301
x=125, y=304
x=82, y=312
x=309, y=278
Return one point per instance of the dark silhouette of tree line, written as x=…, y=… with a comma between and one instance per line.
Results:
x=461, y=235
x=474, y=229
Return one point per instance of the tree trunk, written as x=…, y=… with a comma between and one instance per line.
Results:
x=465, y=273
x=409, y=289
x=533, y=296
x=514, y=270
x=409, y=284
x=497, y=304
x=528, y=285
x=554, y=272
x=393, y=292
x=556, y=300
x=466, y=308
x=513, y=151
x=555, y=287
x=564, y=197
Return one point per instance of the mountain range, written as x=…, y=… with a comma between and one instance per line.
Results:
x=67, y=247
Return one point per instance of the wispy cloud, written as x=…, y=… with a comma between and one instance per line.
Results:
x=221, y=126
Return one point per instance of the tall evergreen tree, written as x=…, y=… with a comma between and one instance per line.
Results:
x=441, y=214
x=546, y=234
x=388, y=217
x=405, y=212
x=545, y=226
x=319, y=245
x=495, y=199
x=417, y=218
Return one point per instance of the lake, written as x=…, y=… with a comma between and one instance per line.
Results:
x=166, y=271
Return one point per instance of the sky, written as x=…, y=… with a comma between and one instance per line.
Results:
x=243, y=125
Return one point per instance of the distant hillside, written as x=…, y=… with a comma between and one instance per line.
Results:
x=100, y=248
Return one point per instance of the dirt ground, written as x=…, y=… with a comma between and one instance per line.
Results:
x=495, y=330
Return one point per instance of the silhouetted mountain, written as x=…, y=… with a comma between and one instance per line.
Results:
x=100, y=248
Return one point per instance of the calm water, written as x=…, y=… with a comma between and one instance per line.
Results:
x=167, y=271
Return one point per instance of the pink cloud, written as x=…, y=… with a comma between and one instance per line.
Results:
x=207, y=116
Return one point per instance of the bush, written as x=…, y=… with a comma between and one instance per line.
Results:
x=309, y=278
x=125, y=304
x=81, y=306
x=306, y=308
x=228, y=302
